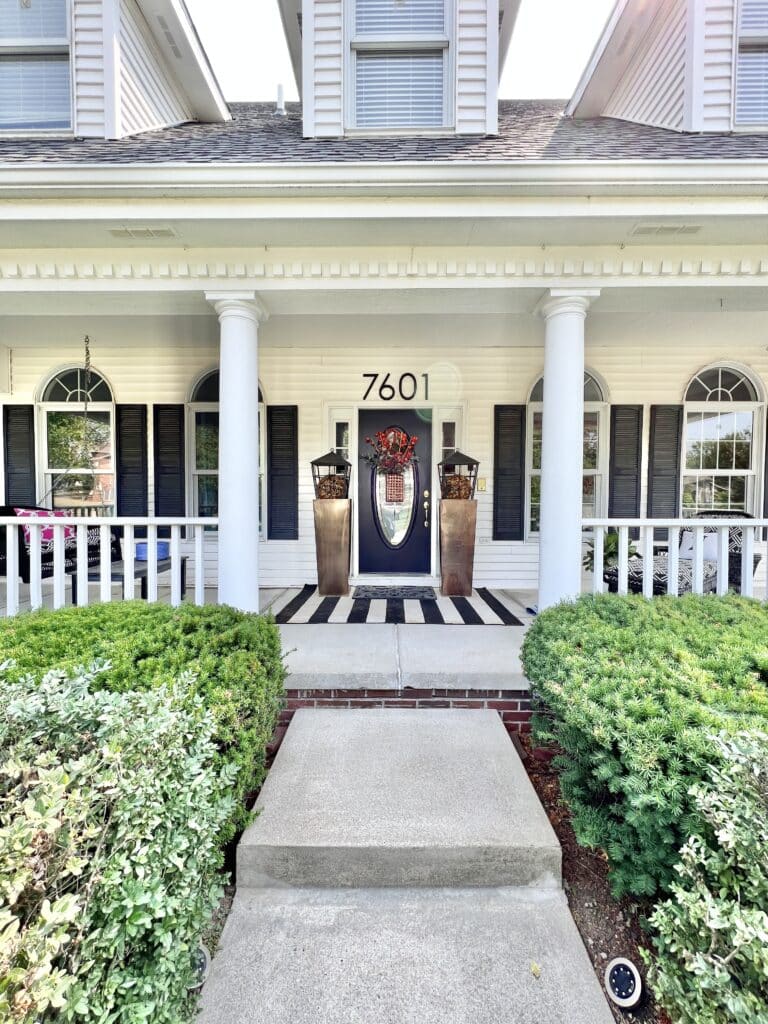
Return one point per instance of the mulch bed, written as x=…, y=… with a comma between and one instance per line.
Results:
x=608, y=927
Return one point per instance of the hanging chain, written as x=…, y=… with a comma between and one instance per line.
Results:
x=86, y=392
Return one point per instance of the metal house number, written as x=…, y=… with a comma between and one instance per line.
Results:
x=387, y=388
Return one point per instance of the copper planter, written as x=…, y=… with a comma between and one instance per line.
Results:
x=458, y=523
x=332, y=535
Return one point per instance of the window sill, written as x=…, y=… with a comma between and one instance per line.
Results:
x=37, y=133
x=394, y=133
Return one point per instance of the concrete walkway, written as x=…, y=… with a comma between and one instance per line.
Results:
x=401, y=870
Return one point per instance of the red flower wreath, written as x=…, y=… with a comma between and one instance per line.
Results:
x=393, y=450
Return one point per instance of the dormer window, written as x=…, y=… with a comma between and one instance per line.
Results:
x=35, y=75
x=400, y=64
x=751, y=107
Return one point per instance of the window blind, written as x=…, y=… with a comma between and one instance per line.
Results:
x=754, y=16
x=43, y=19
x=35, y=91
x=752, y=87
x=399, y=90
x=386, y=17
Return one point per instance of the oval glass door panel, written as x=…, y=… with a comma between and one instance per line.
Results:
x=395, y=501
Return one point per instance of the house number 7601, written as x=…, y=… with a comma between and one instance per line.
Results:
x=405, y=387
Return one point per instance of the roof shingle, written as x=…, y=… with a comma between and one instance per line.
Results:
x=529, y=130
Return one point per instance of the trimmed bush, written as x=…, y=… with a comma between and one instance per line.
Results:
x=111, y=808
x=234, y=657
x=711, y=938
x=632, y=691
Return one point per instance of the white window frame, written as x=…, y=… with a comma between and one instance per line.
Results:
x=603, y=454
x=399, y=42
x=44, y=470
x=192, y=408
x=21, y=47
x=743, y=40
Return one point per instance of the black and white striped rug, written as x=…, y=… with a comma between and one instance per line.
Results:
x=305, y=605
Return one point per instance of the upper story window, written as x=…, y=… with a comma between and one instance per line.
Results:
x=35, y=76
x=751, y=106
x=400, y=64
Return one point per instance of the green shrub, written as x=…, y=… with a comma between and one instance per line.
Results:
x=235, y=658
x=632, y=691
x=711, y=962
x=111, y=807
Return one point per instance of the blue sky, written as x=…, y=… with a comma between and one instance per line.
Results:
x=552, y=43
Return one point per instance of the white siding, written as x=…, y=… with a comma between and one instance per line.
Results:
x=88, y=68
x=713, y=88
x=149, y=97
x=652, y=90
x=324, y=60
x=647, y=359
x=476, y=38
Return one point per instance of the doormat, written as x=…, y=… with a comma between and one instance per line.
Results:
x=407, y=593
x=305, y=605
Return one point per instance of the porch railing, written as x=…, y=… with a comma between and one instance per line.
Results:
x=748, y=535
x=88, y=557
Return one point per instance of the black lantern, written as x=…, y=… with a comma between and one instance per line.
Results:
x=330, y=475
x=458, y=475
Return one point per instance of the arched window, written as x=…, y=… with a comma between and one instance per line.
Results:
x=77, y=415
x=595, y=450
x=722, y=442
x=203, y=426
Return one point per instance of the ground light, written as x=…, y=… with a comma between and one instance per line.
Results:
x=623, y=983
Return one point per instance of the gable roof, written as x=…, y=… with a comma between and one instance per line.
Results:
x=529, y=131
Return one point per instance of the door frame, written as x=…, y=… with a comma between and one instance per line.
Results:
x=440, y=411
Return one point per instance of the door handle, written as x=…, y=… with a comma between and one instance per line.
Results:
x=426, y=509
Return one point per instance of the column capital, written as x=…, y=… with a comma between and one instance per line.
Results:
x=566, y=300
x=238, y=303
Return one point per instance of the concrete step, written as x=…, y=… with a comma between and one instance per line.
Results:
x=393, y=956
x=398, y=797
x=392, y=657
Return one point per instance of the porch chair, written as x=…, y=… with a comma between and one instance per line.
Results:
x=685, y=565
x=46, y=558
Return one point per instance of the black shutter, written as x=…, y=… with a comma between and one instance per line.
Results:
x=624, y=472
x=283, y=472
x=170, y=491
x=131, y=460
x=509, y=472
x=19, y=455
x=664, y=452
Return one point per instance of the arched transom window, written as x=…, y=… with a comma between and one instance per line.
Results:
x=204, y=447
x=595, y=450
x=78, y=429
x=722, y=442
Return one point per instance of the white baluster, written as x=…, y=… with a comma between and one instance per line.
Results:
x=129, y=564
x=152, y=563
x=175, y=566
x=623, y=560
x=698, y=559
x=58, y=567
x=82, y=565
x=747, y=560
x=648, y=561
x=598, y=564
x=105, y=563
x=200, y=565
x=723, y=537
x=673, y=560
x=12, y=570
x=35, y=567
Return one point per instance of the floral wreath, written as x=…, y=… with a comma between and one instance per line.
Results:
x=392, y=451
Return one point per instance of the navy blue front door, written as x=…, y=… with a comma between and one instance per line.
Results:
x=395, y=526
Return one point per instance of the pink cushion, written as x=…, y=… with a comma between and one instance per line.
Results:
x=47, y=532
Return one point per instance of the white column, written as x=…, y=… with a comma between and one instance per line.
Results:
x=240, y=314
x=562, y=455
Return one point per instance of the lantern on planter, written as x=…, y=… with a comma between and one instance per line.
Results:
x=330, y=475
x=458, y=476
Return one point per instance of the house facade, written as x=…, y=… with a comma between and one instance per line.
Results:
x=575, y=294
